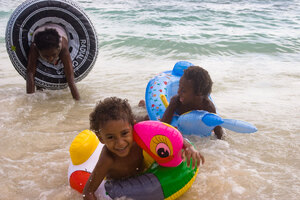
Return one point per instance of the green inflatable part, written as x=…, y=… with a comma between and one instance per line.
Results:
x=180, y=175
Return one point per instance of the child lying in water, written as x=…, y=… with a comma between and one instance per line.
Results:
x=195, y=85
x=112, y=120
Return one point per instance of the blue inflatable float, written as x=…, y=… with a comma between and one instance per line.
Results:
x=160, y=90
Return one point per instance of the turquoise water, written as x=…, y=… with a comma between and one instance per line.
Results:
x=180, y=29
x=190, y=28
x=252, y=52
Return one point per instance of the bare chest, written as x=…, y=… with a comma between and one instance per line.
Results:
x=127, y=167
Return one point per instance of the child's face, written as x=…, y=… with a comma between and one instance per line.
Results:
x=186, y=91
x=50, y=55
x=117, y=136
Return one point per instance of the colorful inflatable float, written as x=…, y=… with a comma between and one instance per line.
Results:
x=167, y=176
x=162, y=87
x=82, y=37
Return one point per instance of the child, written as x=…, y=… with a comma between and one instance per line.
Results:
x=195, y=85
x=50, y=43
x=112, y=120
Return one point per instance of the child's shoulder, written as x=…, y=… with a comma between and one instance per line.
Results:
x=208, y=105
x=107, y=155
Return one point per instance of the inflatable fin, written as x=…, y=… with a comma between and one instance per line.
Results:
x=201, y=123
x=180, y=66
x=211, y=119
x=239, y=126
x=164, y=100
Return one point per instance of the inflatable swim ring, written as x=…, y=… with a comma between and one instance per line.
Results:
x=82, y=37
x=160, y=140
x=162, y=87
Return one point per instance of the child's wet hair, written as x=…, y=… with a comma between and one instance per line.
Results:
x=47, y=39
x=200, y=78
x=111, y=108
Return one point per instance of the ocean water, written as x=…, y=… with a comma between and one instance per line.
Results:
x=251, y=49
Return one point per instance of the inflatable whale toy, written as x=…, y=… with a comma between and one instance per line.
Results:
x=160, y=90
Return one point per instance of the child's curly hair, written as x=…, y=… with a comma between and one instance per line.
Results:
x=200, y=78
x=49, y=38
x=111, y=108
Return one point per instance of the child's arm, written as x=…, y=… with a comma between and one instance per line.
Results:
x=219, y=132
x=191, y=152
x=68, y=68
x=170, y=110
x=218, y=129
x=99, y=173
x=31, y=68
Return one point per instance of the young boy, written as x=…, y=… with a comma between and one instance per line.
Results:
x=50, y=43
x=195, y=85
x=112, y=120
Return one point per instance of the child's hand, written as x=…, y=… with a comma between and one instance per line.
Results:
x=190, y=152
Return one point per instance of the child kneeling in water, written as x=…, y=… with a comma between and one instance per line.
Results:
x=112, y=120
x=50, y=43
